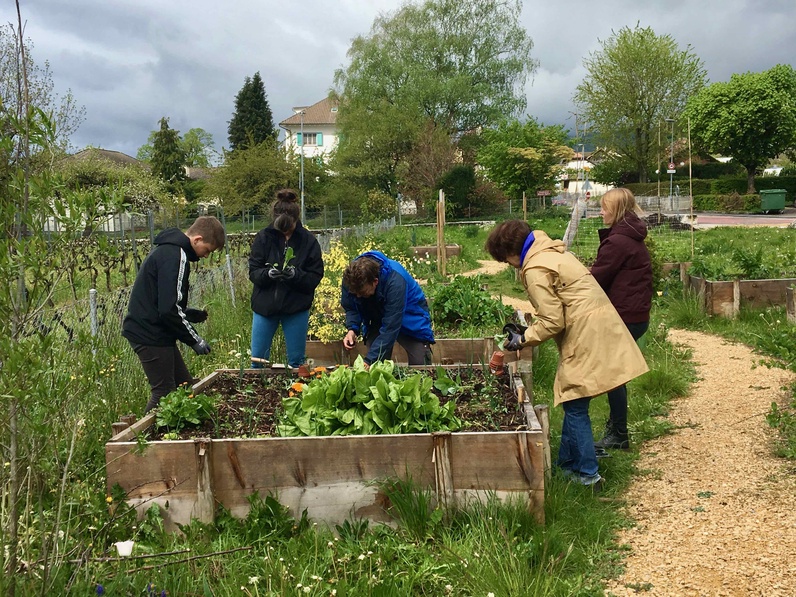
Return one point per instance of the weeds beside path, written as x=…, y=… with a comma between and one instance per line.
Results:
x=715, y=510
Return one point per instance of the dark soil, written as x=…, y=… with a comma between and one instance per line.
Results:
x=250, y=407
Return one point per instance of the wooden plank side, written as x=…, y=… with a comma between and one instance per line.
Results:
x=508, y=461
x=164, y=474
x=280, y=465
x=765, y=293
x=162, y=466
x=720, y=298
x=444, y=351
x=790, y=304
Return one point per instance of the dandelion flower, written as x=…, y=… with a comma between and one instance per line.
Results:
x=109, y=499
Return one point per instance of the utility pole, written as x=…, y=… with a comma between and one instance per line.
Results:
x=671, y=161
x=301, y=112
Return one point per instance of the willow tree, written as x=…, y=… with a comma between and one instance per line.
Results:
x=633, y=84
x=456, y=65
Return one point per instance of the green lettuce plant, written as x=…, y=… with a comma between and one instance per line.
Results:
x=359, y=401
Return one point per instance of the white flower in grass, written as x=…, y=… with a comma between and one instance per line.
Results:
x=253, y=580
x=330, y=544
x=490, y=595
x=448, y=589
x=361, y=556
x=307, y=589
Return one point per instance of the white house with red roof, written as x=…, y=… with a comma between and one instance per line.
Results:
x=312, y=127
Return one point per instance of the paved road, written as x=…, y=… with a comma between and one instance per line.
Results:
x=777, y=220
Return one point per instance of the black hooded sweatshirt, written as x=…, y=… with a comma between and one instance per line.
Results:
x=624, y=270
x=156, y=312
x=271, y=297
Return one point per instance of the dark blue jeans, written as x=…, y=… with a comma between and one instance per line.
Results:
x=294, y=326
x=617, y=398
x=576, y=452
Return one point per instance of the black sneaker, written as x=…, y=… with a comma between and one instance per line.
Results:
x=601, y=452
x=614, y=440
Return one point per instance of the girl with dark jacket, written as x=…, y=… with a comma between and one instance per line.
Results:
x=624, y=271
x=284, y=285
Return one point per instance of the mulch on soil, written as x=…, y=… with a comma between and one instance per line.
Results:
x=250, y=407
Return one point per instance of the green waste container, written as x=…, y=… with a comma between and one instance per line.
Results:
x=772, y=200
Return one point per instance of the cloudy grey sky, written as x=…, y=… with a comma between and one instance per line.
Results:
x=130, y=62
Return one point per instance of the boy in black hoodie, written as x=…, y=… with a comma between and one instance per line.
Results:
x=158, y=315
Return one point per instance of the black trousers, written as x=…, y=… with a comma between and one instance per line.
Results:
x=419, y=352
x=617, y=398
x=164, y=368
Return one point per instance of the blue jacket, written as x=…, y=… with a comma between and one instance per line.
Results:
x=397, y=307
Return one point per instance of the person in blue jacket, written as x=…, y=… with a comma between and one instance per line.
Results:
x=385, y=304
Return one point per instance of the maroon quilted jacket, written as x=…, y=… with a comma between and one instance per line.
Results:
x=624, y=270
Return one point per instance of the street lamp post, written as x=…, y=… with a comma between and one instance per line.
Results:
x=301, y=176
x=671, y=160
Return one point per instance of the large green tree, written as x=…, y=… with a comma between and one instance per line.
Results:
x=523, y=157
x=633, y=83
x=249, y=177
x=461, y=65
x=252, y=123
x=197, y=145
x=168, y=157
x=752, y=117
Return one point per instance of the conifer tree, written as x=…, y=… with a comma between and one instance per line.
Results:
x=252, y=123
x=168, y=156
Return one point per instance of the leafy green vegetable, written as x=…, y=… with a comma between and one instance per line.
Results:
x=181, y=407
x=446, y=385
x=359, y=401
x=288, y=257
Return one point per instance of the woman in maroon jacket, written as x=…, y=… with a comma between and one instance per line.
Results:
x=624, y=271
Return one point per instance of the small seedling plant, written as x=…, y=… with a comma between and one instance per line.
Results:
x=182, y=407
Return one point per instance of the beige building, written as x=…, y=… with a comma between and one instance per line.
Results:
x=312, y=127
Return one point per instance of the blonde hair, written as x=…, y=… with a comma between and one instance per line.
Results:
x=617, y=203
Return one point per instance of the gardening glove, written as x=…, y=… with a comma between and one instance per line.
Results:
x=196, y=315
x=514, y=341
x=275, y=274
x=289, y=273
x=201, y=347
x=513, y=327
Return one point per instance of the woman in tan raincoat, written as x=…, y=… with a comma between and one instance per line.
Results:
x=596, y=352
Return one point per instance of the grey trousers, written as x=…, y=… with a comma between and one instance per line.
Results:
x=419, y=352
x=164, y=368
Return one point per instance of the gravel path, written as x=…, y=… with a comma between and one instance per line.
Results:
x=715, y=511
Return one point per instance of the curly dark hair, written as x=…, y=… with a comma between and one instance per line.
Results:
x=360, y=273
x=507, y=239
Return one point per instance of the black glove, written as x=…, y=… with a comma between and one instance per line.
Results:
x=289, y=273
x=196, y=315
x=514, y=341
x=513, y=327
x=201, y=347
x=275, y=274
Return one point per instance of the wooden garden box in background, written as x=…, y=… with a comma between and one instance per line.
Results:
x=431, y=250
x=446, y=351
x=332, y=477
x=725, y=298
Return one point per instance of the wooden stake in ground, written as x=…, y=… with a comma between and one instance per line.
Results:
x=442, y=254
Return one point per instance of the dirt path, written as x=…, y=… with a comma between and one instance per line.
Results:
x=488, y=268
x=715, y=511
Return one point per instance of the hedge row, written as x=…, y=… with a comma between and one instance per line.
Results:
x=719, y=186
x=732, y=202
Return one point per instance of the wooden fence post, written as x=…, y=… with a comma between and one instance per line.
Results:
x=442, y=254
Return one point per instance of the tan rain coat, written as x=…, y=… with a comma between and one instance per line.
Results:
x=596, y=351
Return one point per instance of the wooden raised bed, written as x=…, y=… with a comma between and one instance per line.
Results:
x=446, y=351
x=431, y=250
x=725, y=298
x=790, y=303
x=331, y=477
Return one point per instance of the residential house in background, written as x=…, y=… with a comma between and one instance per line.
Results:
x=312, y=127
x=575, y=173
